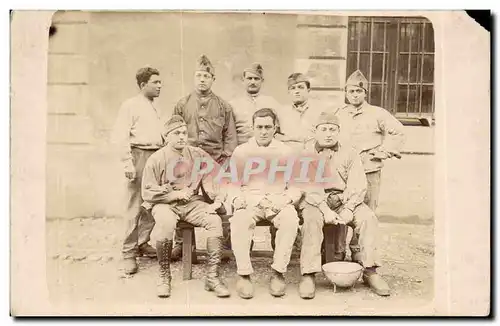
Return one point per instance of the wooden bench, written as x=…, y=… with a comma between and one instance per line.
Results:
x=190, y=254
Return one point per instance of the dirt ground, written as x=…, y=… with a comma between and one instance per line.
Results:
x=83, y=269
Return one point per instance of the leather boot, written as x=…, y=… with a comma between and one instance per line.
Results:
x=244, y=287
x=356, y=257
x=164, y=251
x=226, y=244
x=307, y=286
x=277, y=285
x=129, y=266
x=147, y=250
x=376, y=282
x=176, y=252
x=213, y=281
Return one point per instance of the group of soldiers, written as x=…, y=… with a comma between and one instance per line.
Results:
x=354, y=140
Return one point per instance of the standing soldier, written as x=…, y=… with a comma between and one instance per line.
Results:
x=209, y=118
x=210, y=122
x=138, y=134
x=298, y=119
x=373, y=131
x=245, y=106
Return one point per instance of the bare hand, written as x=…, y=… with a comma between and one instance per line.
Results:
x=130, y=173
x=214, y=207
x=346, y=215
x=379, y=155
x=279, y=202
x=239, y=203
x=330, y=217
x=185, y=194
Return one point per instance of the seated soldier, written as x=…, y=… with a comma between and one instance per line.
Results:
x=258, y=199
x=344, y=193
x=171, y=190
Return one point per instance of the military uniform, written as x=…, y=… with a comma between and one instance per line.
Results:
x=211, y=127
x=210, y=120
x=372, y=130
x=297, y=120
x=159, y=192
x=245, y=106
x=345, y=191
x=260, y=206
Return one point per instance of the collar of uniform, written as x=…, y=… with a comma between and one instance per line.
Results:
x=335, y=147
x=181, y=153
x=301, y=108
x=206, y=96
x=271, y=144
x=357, y=110
x=253, y=97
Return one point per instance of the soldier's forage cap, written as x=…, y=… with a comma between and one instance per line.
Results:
x=296, y=78
x=255, y=68
x=204, y=64
x=357, y=79
x=175, y=122
x=327, y=118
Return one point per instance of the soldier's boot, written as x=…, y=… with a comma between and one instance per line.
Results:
x=130, y=265
x=376, y=282
x=147, y=250
x=307, y=286
x=277, y=285
x=213, y=281
x=244, y=287
x=164, y=252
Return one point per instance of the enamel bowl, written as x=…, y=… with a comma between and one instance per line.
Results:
x=343, y=274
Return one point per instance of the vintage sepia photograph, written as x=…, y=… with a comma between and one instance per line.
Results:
x=260, y=162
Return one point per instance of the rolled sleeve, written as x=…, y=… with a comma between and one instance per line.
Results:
x=393, y=131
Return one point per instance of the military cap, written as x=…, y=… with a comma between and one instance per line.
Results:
x=357, y=79
x=204, y=64
x=296, y=78
x=327, y=118
x=175, y=122
x=255, y=68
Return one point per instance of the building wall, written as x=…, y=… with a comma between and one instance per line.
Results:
x=93, y=58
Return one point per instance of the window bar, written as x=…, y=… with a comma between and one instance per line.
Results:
x=396, y=77
x=421, y=69
x=383, y=100
x=433, y=99
x=408, y=31
x=358, y=28
x=371, y=62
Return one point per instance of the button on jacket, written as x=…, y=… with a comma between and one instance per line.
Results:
x=210, y=123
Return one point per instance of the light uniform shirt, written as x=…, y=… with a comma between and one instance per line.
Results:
x=259, y=186
x=370, y=129
x=139, y=125
x=244, y=107
x=298, y=122
x=345, y=170
x=157, y=181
